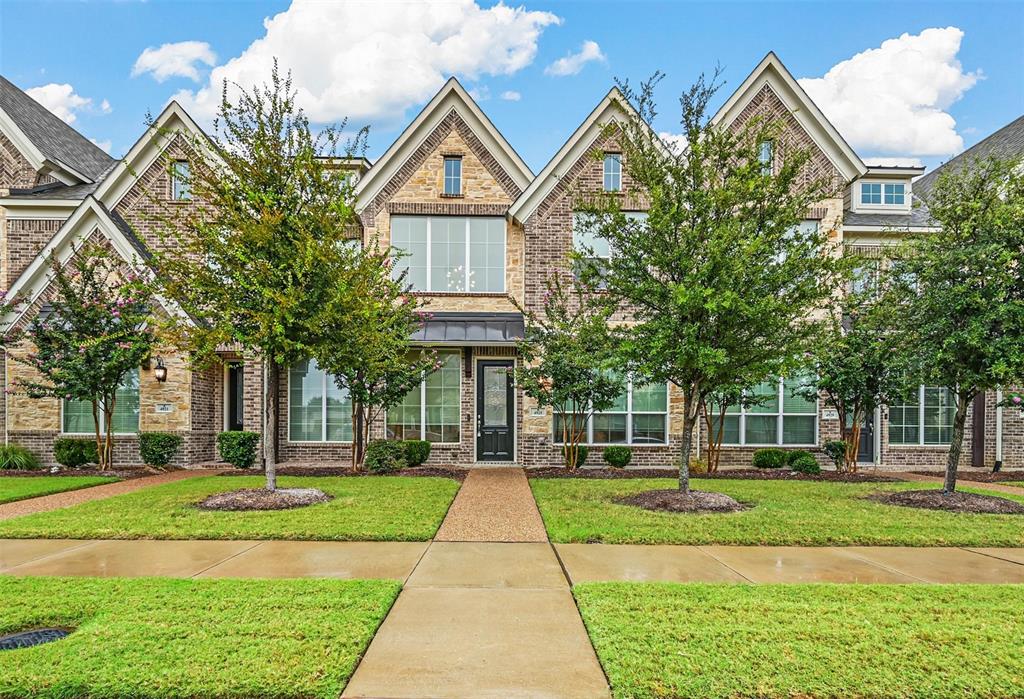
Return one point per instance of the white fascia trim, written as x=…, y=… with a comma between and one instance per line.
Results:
x=893, y=230
x=772, y=71
x=451, y=95
x=35, y=157
x=19, y=209
x=146, y=151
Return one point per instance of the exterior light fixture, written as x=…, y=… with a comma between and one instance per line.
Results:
x=160, y=372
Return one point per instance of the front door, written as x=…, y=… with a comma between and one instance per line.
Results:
x=866, y=448
x=495, y=410
x=234, y=398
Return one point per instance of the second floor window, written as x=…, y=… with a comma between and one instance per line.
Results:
x=766, y=156
x=612, y=172
x=893, y=194
x=450, y=253
x=180, y=188
x=883, y=194
x=453, y=176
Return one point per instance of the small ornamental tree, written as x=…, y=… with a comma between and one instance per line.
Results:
x=361, y=337
x=96, y=331
x=715, y=410
x=960, y=290
x=569, y=359
x=722, y=278
x=264, y=248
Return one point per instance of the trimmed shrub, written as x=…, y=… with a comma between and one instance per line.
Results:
x=617, y=456
x=384, y=456
x=581, y=456
x=698, y=467
x=804, y=463
x=836, y=450
x=17, y=457
x=792, y=456
x=158, y=448
x=417, y=451
x=74, y=452
x=238, y=448
x=769, y=458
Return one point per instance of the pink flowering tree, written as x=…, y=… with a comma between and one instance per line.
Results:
x=85, y=341
x=361, y=338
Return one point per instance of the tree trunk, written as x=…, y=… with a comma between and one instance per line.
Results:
x=689, y=420
x=270, y=424
x=853, y=442
x=957, y=443
x=108, y=445
x=99, y=435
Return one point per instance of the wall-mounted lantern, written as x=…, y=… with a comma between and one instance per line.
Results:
x=160, y=372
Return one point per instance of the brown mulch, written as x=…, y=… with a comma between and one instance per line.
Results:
x=953, y=502
x=263, y=499
x=759, y=474
x=979, y=476
x=696, y=501
x=122, y=473
x=458, y=474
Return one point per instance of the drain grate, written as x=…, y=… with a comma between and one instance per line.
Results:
x=27, y=639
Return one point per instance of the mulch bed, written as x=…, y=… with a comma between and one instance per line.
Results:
x=696, y=501
x=954, y=502
x=759, y=474
x=979, y=476
x=458, y=474
x=123, y=474
x=263, y=499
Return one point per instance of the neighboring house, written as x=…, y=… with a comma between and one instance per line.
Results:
x=479, y=230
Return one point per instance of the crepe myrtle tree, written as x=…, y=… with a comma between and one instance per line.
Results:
x=361, y=338
x=97, y=330
x=960, y=290
x=569, y=358
x=263, y=247
x=721, y=278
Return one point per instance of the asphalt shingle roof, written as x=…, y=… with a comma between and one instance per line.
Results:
x=1006, y=142
x=918, y=217
x=55, y=140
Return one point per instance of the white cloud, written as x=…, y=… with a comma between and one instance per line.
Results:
x=373, y=60
x=893, y=99
x=62, y=100
x=893, y=161
x=675, y=141
x=572, y=63
x=511, y=96
x=178, y=60
x=481, y=93
x=103, y=145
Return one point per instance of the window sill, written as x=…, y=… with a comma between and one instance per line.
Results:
x=452, y=196
x=80, y=435
x=318, y=441
x=905, y=447
x=491, y=294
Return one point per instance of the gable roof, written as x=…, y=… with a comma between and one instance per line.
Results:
x=1007, y=142
x=46, y=141
x=612, y=106
x=451, y=96
x=770, y=71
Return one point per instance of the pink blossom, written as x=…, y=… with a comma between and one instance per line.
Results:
x=1016, y=400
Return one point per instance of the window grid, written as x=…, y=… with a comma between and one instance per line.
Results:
x=180, y=189
x=738, y=419
x=894, y=195
x=475, y=272
x=870, y=193
x=77, y=415
x=335, y=410
x=628, y=425
x=419, y=416
x=613, y=172
x=925, y=421
x=453, y=176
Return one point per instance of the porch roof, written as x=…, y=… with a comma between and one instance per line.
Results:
x=471, y=329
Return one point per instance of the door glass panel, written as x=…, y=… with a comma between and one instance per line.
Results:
x=495, y=404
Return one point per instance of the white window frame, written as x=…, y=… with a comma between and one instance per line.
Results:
x=103, y=418
x=767, y=159
x=629, y=413
x=323, y=413
x=454, y=179
x=614, y=173
x=780, y=417
x=920, y=422
x=859, y=204
x=468, y=274
x=181, y=190
x=423, y=402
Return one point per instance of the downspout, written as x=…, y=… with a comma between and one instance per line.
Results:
x=263, y=411
x=999, y=429
x=877, y=437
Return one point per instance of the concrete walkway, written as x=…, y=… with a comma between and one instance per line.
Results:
x=494, y=504
x=96, y=492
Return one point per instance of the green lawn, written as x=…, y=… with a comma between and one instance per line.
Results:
x=23, y=487
x=803, y=513
x=701, y=640
x=152, y=637
x=364, y=509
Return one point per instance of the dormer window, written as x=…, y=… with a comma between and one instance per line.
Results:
x=871, y=193
x=893, y=194
x=766, y=156
x=612, y=172
x=453, y=176
x=180, y=189
x=883, y=194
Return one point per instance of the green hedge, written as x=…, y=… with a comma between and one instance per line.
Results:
x=417, y=451
x=617, y=456
x=158, y=448
x=769, y=458
x=238, y=448
x=385, y=456
x=74, y=452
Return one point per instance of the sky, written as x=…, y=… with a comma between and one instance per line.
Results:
x=904, y=82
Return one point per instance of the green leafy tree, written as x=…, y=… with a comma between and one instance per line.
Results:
x=721, y=277
x=960, y=290
x=98, y=329
x=361, y=338
x=569, y=358
x=263, y=251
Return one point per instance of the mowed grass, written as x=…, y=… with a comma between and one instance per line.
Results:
x=152, y=637
x=781, y=513
x=23, y=487
x=702, y=640
x=363, y=509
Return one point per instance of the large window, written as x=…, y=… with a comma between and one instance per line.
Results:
x=431, y=410
x=639, y=416
x=776, y=416
x=78, y=413
x=451, y=253
x=586, y=240
x=318, y=411
x=453, y=176
x=926, y=417
x=612, y=172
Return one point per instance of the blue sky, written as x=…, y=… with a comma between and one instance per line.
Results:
x=921, y=80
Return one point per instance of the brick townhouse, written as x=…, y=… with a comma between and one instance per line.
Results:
x=480, y=230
